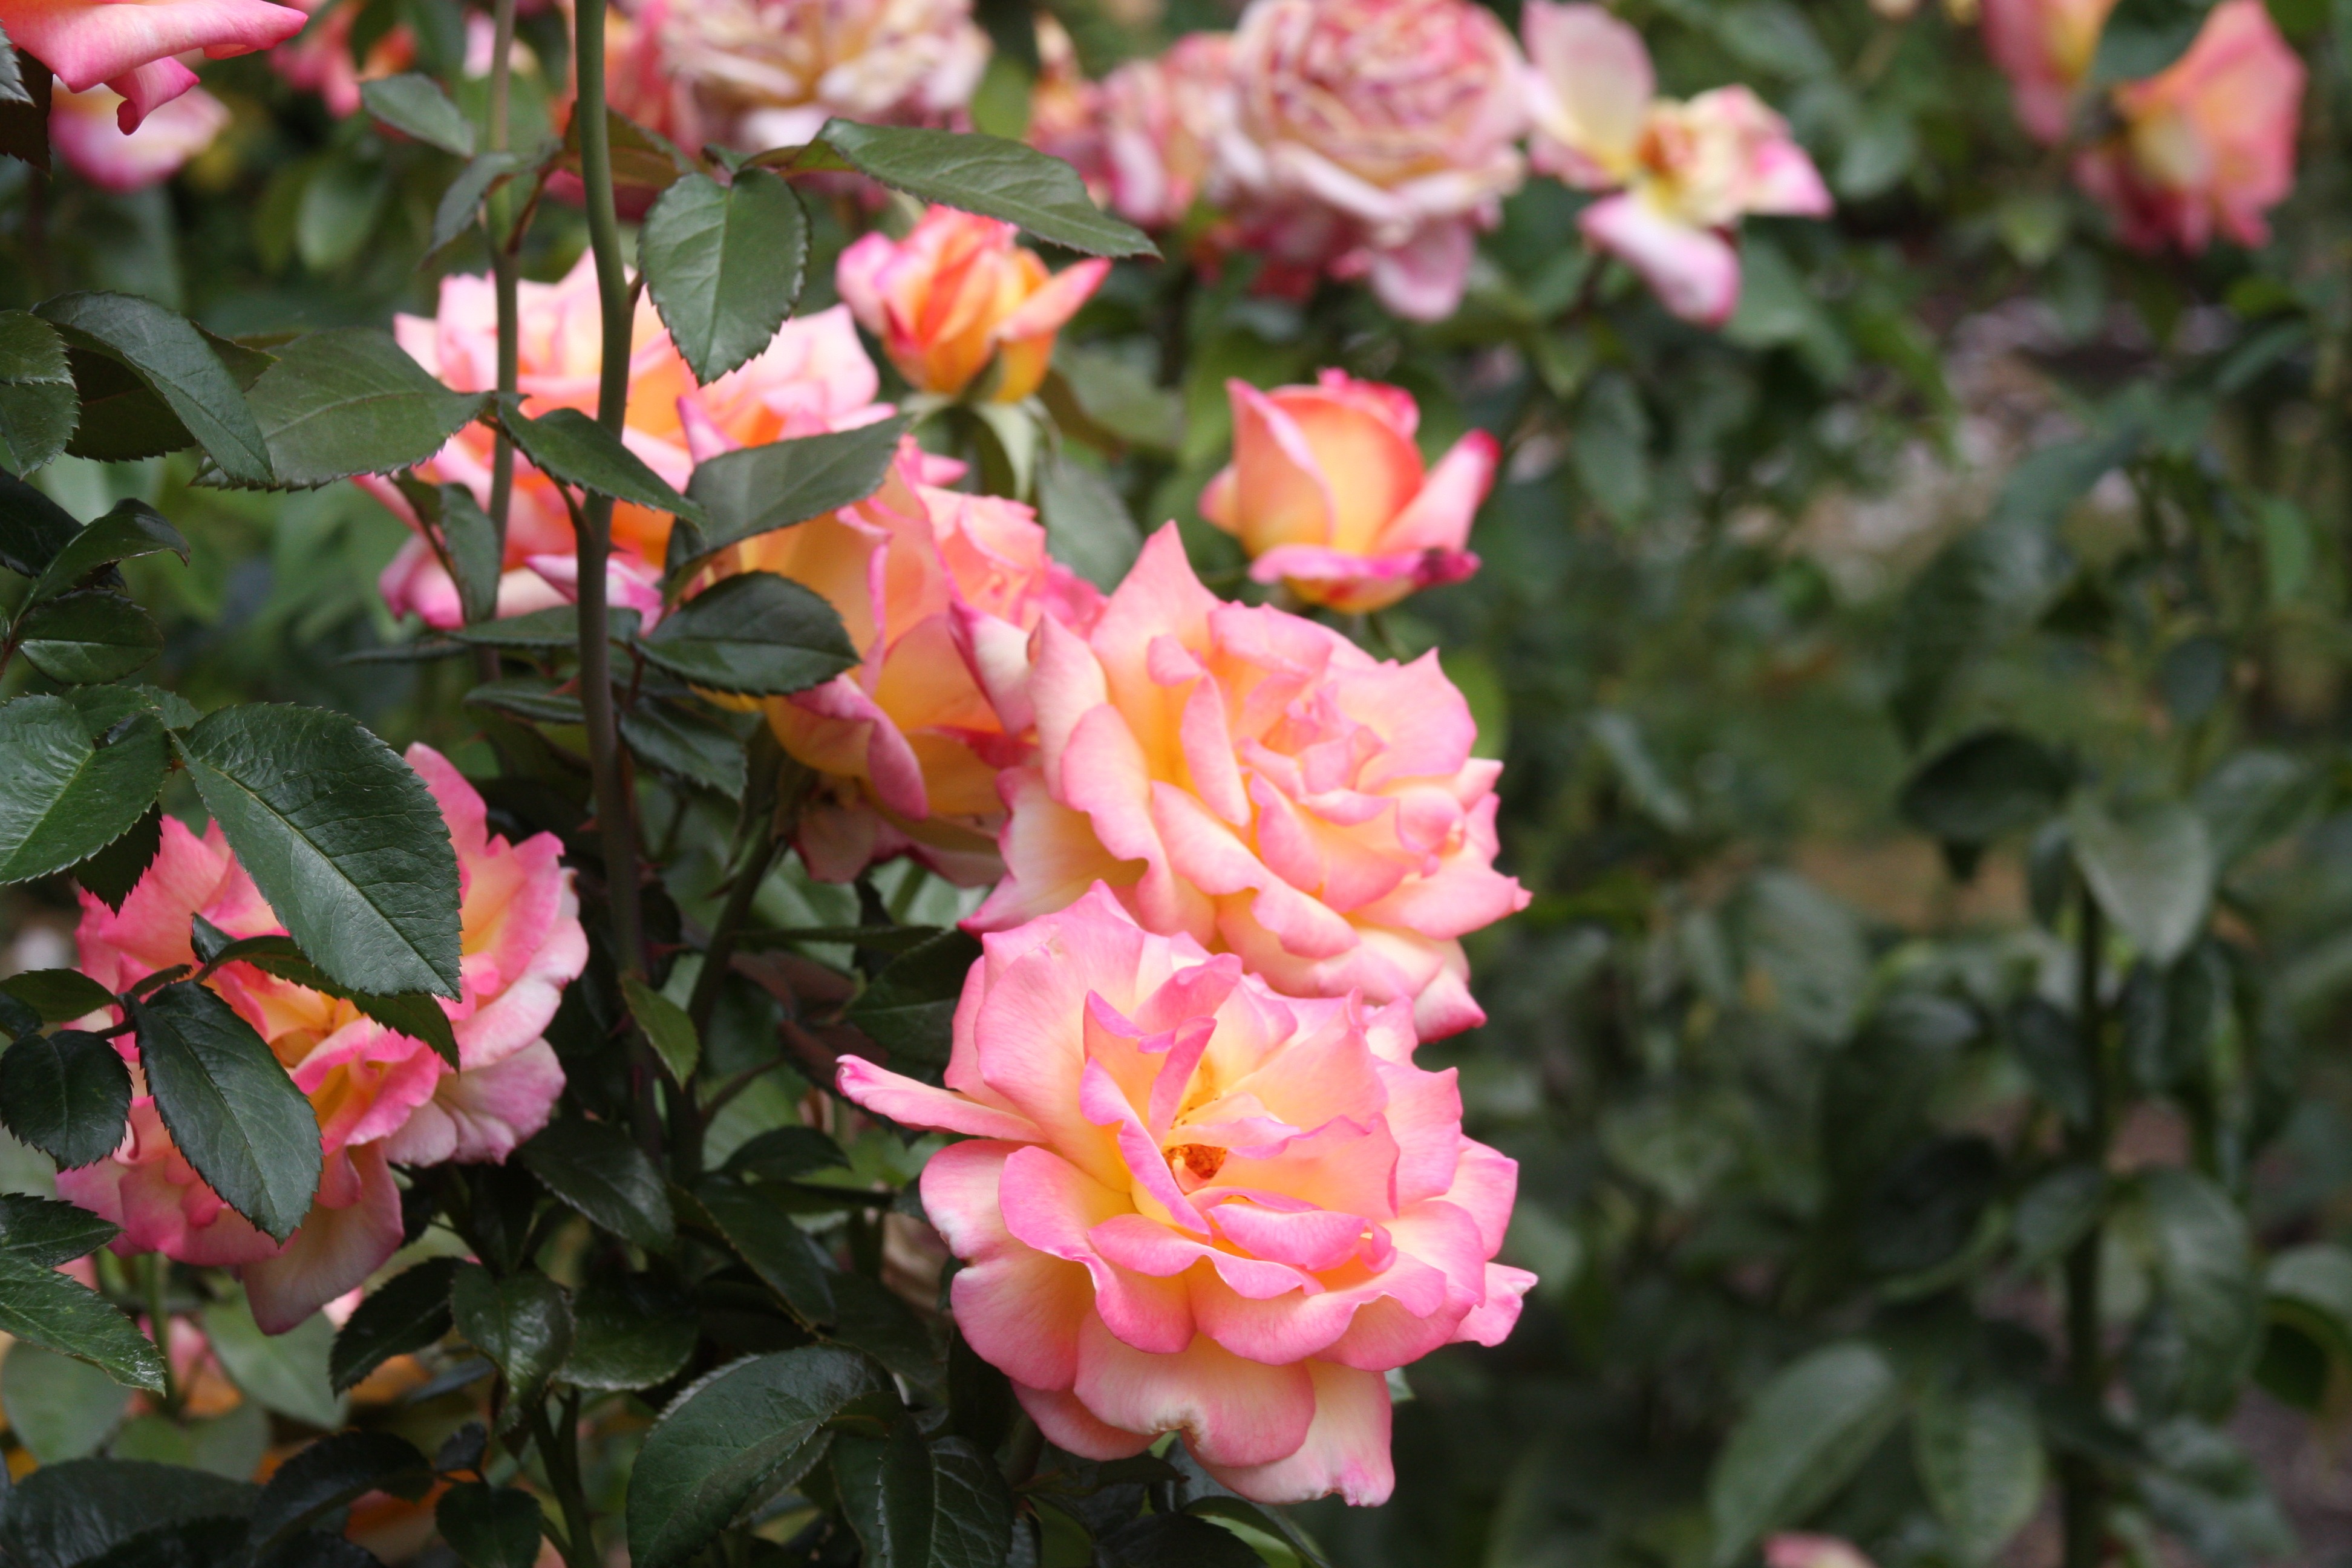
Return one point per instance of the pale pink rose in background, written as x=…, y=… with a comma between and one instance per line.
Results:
x=2208, y=143
x=814, y=377
x=87, y=132
x=959, y=295
x=1254, y=781
x=1684, y=174
x=1064, y=108
x=775, y=70
x=1794, y=1549
x=2044, y=48
x=941, y=593
x=381, y=1098
x=1326, y=492
x=1144, y=136
x=1370, y=139
x=320, y=61
x=1189, y=1204
x=129, y=45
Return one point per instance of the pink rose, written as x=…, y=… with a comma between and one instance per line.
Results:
x=320, y=60
x=814, y=377
x=777, y=69
x=942, y=593
x=1144, y=135
x=1326, y=492
x=1684, y=173
x=381, y=1098
x=2044, y=47
x=1257, y=782
x=1192, y=1205
x=1369, y=138
x=2208, y=143
x=128, y=45
x=86, y=129
x=1793, y=1550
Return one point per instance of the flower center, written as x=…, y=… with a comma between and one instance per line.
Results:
x=1201, y=1162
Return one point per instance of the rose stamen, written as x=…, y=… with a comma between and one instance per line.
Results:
x=1201, y=1162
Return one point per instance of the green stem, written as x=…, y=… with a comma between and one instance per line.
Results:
x=559, y=1452
x=2081, y=1493
x=505, y=237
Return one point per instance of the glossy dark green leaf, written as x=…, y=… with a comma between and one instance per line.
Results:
x=39, y=1306
x=341, y=837
x=1806, y=1433
x=569, y=446
x=597, y=1169
x=521, y=1322
x=23, y=109
x=172, y=359
x=718, y=1446
x=542, y=631
x=758, y=634
x=780, y=1153
x=402, y=1315
x=688, y=745
x=1174, y=1541
x=331, y=1474
x=62, y=1516
x=94, y=636
x=867, y=1315
x=351, y=401
x=454, y=213
x=1991, y=783
x=130, y=529
x=778, y=1251
x=2140, y=37
x=759, y=490
x=921, y=1504
x=38, y=404
x=491, y=1527
x=1088, y=526
x=45, y=1232
x=984, y=175
x=33, y=528
x=468, y=534
x=69, y=789
x=2152, y=869
x=909, y=1006
x=67, y=1094
x=230, y=1107
x=666, y=1028
x=529, y=698
x=724, y=264
x=110, y=874
x=630, y=1331
x=415, y=105
x=58, y=996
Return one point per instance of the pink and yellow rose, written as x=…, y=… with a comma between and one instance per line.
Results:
x=2044, y=48
x=1189, y=1204
x=131, y=45
x=320, y=60
x=775, y=70
x=1327, y=493
x=86, y=128
x=958, y=296
x=382, y=1099
x=1256, y=781
x=1144, y=136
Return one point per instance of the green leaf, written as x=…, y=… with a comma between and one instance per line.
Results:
x=757, y=633
x=2058, y=1211
x=454, y=213
x=64, y=1515
x=414, y=1014
x=1807, y=1432
x=521, y=1322
x=530, y=697
x=67, y=1094
x=687, y=744
x=779, y=1251
x=1087, y=525
x=172, y=359
x=331, y=1474
x=341, y=837
x=130, y=529
x=870, y=1316
x=45, y=1232
x=70, y=787
x=1994, y=783
x=415, y=105
x=919, y=1504
x=41, y=1307
x=468, y=535
x=2204, y=1266
x=230, y=1107
x=2252, y=799
x=33, y=528
x=491, y=1527
x=38, y=404
x=25, y=102
x=759, y=490
x=404, y=1315
x=567, y=445
x=58, y=996
x=780, y=1153
x=94, y=636
x=2152, y=869
x=2141, y=38
x=1978, y=1452
x=285, y=1373
x=110, y=875
x=1174, y=1541
x=718, y=1447
x=668, y=1028
x=629, y=1333
x=351, y=401
x=642, y=160
x=598, y=1169
x=724, y=264
x=907, y=1009
x=60, y=1408
x=984, y=175
x=547, y=630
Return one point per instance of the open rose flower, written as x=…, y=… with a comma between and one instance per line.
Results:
x=941, y=593
x=2208, y=143
x=1189, y=1204
x=1326, y=492
x=1144, y=136
x=1684, y=174
x=1370, y=139
x=382, y=1099
x=87, y=131
x=2044, y=48
x=320, y=61
x=814, y=377
x=957, y=295
x=1257, y=782
x=778, y=70
x=129, y=45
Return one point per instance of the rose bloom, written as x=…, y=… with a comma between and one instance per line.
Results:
x=1684, y=173
x=1143, y=136
x=2044, y=48
x=958, y=295
x=382, y=1099
x=86, y=129
x=1326, y=492
x=814, y=377
x=128, y=45
x=2208, y=143
x=320, y=61
x=779, y=69
x=1189, y=1204
x=1369, y=138
x=1793, y=1549
x=941, y=593
x=1254, y=781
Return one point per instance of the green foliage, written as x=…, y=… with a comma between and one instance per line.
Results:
x=230, y=1108
x=724, y=264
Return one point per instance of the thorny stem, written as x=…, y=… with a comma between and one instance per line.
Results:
x=2082, y=1495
